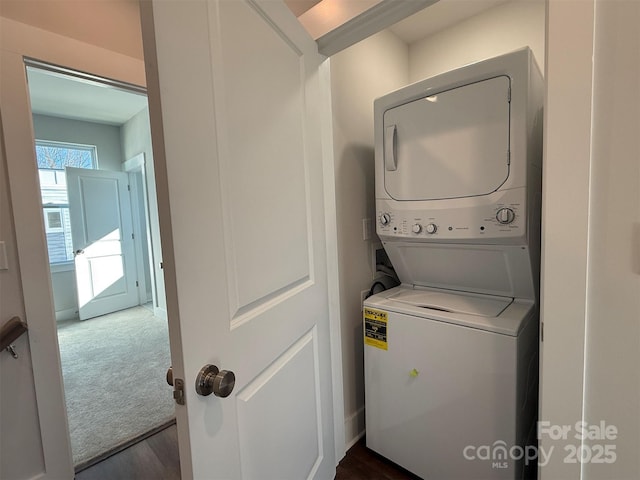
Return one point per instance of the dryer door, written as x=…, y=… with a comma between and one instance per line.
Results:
x=449, y=145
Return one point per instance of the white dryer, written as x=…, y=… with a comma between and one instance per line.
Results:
x=451, y=363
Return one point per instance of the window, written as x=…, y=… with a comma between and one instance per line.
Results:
x=53, y=220
x=52, y=158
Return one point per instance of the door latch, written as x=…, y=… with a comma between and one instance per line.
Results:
x=178, y=387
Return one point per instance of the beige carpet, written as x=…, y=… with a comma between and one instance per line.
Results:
x=114, y=370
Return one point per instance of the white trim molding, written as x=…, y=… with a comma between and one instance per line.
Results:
x=566, y=182
x=371, y=21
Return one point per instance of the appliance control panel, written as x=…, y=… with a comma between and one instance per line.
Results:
x=473, y=220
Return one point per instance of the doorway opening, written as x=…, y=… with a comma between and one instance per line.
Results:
x=95, y=166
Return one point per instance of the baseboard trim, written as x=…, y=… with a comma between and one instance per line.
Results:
x=354, y=428
x=160, y=313
x=66, y=314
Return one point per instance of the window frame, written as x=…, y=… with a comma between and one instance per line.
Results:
x=70, y=145
x=48, y=209
x=93, y=150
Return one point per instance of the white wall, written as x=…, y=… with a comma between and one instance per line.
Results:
x=502, y=29
x=65, y=296
x=136, y=138
x=359, y=74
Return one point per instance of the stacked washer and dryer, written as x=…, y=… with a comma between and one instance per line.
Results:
x=451, y=355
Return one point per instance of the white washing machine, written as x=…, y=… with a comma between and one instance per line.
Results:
x=454, y=372
x=451, y=363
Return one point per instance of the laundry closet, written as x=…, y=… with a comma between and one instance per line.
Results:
x=368, y=70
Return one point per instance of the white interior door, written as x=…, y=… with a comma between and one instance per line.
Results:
x=241, y=91
x=103, y=243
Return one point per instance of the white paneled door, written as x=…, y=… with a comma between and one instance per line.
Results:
x=237, y=120
x=103, y=243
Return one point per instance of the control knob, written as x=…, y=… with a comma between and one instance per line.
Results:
x=417, y=228
x=385, y=218
x=431, y=228
x=505, y=216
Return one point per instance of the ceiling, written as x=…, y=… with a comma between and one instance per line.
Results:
x=298, y=7
x=318, y=17
x=94, y=21
x=111, y=24
x=68, y=97
x=60, y=95
x=439, y=16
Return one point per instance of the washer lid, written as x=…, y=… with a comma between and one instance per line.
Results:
x=497, y=270
x=459, y=302
x=511, y=321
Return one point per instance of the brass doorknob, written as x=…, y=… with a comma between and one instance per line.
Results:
x=211, y=380
x=170, y=376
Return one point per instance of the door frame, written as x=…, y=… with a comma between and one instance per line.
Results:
x=138, y=164
x=20, y=43
x=135, y=166
x=34, y=266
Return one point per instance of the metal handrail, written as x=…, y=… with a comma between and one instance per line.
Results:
x=9, y=333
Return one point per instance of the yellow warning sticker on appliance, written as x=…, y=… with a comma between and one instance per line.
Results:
x=375, y=328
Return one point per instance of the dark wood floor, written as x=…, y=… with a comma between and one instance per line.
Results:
x=156, y=458
x=360, y=463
